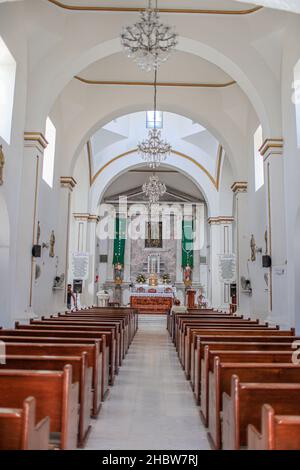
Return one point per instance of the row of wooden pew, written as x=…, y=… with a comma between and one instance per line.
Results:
x=55, y=374
x=244, y=378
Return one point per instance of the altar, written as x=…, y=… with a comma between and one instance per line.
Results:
x=149, y=299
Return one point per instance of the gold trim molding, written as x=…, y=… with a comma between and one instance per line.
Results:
x=271, y=147
x=35, y=139
x=88, y=81
x=239, y=187
x=197, y=11
x=220, y=220
x=85, y=217
x=214, y=181
x=68, y=182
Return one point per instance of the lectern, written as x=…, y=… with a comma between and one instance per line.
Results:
x=191, y=298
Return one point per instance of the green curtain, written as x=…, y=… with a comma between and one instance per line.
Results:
x=187, y=244
x=119, y=241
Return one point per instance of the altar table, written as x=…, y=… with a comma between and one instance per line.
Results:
x=152, y=302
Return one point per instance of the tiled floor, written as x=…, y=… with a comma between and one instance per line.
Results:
x=151, y=404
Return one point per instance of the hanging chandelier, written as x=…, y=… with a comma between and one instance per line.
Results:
x=154, y=189
x=149, y=42
x=154, y=149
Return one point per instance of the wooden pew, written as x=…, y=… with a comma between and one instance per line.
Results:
x=220, y=381
x=207, y=369
x=114, y=327
x=232, y=336
x=187, y=338
x=184, y=345
x=56, y=396
x=67, y=334
x=260, y=344
x=81, y=374
x=94, y=360
x=121, y=346
x=19, y=430
x=244, y=329
x=278, y=432
x=244, y=402
x=98, y=357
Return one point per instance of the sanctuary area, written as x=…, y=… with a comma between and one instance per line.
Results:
x=149, y=224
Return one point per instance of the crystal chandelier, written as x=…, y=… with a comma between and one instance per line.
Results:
x=154, y=149
x=154, y=189
x=149, y=42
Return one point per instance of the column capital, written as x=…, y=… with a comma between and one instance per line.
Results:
x=221, y=220
x=94, y=218
x=68, y=182
x=81, y=216
x=239, y=187
x=35, y=140
x=271, y=147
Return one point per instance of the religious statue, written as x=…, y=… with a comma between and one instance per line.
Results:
x=253, y=248
x=52, y=245
x=2, y=163
x=38, y=233
x=266, y=241
x=118, y=273
x=187, y=275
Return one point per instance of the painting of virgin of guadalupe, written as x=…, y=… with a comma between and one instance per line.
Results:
x=154, y=235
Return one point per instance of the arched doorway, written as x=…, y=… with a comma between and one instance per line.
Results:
x=4, y=261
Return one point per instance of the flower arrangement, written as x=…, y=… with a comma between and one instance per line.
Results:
x=141, y=279
x=166, y=278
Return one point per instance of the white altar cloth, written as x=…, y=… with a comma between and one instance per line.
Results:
x=152, y=294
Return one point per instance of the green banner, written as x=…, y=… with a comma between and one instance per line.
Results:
x=119, y=241
x=187, y=244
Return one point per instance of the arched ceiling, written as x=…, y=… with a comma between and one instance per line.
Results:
x=181, y=67
x=122, y=135
x=179, y=187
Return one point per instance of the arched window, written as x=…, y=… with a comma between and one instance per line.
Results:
x=7, y=88
x=49, y=154
x=296, y=99
x=258, y=159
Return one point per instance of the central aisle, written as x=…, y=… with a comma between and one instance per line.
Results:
x=151, y=405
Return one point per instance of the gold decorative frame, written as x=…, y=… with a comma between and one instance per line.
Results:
x=214, y=181
x=197, y=11
x=88, y=81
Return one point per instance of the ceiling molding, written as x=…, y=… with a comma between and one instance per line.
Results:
x=196, y=11
x=160, y=84
x=133, y=193
x=213, y=180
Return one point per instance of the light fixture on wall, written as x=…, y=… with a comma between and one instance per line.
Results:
x=148, y=41
x=154, y=149
x=154, y=189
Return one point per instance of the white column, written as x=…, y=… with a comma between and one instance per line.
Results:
x=271, y=151
x=90, y=294
x=67, y=184
x=34, y=146
x=239, y=189
x=220, y=243
x=80, y=245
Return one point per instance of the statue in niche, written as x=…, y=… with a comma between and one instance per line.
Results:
x=2, y=163
x=52, y=245
x=187, y=275
x=253, y=248
x=118, y=273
